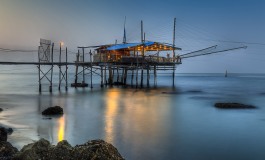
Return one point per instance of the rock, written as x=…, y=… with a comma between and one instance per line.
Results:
x=7, y=151
x=233, y=106
x=42, y=149
x=9, y=131
x=47, y=118
x=3, y=134
x=56, y=110
x=63, y=150
x=1, y=109
x=96, y=149
x=37, y=150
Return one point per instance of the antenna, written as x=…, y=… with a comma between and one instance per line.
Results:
x=124, y=31
x=142, y=36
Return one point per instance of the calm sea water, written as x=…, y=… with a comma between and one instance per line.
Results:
x=156, y=123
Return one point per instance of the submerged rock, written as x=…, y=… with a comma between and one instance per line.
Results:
x=95, y=149
x=56, y=110
x=233, y=106
x=7, y=151
x=47, y=118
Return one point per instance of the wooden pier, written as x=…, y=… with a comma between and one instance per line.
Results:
x=112, y=62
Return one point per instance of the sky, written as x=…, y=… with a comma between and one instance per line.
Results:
x=200, y=24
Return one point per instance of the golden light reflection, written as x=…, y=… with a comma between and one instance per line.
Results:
x=112, y=98
x=61, y=129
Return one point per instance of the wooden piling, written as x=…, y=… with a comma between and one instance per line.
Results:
x=122, y=75
x=50, y=88
x=125, y=76
x=91, y=72
x=83, y=82
x=76, y=69
x=39, y=69
x=66, y=70
x=148, y=76
x=142, y=76
x=132, y=76
x=101, y=76
x=60, y=69
x=118, y=75
x=105, y=75
x=137, y=66
x=110, y=76
x=155, y=77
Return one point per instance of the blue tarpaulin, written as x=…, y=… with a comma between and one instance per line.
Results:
x=128, y=45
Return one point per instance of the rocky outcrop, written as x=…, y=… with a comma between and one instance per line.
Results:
x=56, y=110
x=7, y=151
x=42, y=149
x=233, y=106
x=95, y=149
x=4, y=132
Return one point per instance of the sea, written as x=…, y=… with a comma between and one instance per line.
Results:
x=162, y=122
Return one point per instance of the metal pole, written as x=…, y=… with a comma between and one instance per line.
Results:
x=174, y=37
x=142, y=39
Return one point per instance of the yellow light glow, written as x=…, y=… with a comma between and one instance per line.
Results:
x=110, y=114
x=61, y=129
x=61, y=43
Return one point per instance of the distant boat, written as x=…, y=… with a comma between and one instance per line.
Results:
x=226, y=73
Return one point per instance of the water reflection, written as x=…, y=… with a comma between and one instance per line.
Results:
x=61, y=128
x=134, y=118
x=110, y=113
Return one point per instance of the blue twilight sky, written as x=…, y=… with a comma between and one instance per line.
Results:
x=200, y=24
